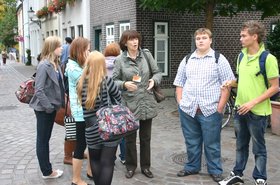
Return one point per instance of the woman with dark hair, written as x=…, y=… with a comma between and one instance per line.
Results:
x=79, y=51
x=94, y=89
x=133, y=77
x=47, y=99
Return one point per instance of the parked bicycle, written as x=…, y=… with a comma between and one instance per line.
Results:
x=229, y=108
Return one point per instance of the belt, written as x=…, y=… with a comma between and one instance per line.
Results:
x=198, y=111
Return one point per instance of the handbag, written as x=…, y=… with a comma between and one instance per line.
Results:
x=70, y=124
x=60, y=114
x=26, y=90
x=115, y=121
x=158, y=94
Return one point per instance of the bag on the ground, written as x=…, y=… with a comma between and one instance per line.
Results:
x=26, y=90
x=115, y=121
x=69, y=123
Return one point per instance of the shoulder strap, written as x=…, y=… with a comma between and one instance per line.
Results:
x=262, y=61
x=241, y=55
x=188, y=57
x=146, y=58
x=216, y=53
x=217, y=56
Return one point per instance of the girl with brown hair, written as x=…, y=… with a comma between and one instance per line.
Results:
x=79, y=50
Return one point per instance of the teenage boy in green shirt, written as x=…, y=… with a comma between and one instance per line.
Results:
x=253, y=103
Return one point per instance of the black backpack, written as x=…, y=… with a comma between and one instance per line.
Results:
x=216, y=53
x=262, y=60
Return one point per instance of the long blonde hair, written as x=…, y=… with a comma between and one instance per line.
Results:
x=94, y=72
x=50, y=45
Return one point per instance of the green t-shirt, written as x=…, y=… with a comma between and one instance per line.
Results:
x=251, y=86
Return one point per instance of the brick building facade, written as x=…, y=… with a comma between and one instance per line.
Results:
x=180, y=27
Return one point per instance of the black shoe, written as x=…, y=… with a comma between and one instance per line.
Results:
x=129, y=174
x=184, y=173
x=217, y=177
x=90, y=177
x=147, y=173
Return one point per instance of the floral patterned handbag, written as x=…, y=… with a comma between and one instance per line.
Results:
x=115, y=121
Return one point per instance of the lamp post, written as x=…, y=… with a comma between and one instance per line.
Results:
x=31, y=15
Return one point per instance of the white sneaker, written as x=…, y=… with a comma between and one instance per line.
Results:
x=232, y=179
x=260, y=182
x=58, y=174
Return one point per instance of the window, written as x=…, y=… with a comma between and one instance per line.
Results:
x=123, y=27
x=110, y=34
x=56, y=32
x=161, y=46
x=64, y=33
x=72, y=29
x=51, y=33
x=80, y=30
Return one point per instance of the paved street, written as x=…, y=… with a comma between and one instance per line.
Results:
x=19, y=165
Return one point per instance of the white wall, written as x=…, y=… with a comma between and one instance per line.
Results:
x=78, y=14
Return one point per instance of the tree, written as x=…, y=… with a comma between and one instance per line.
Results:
x=8, y=23
x=2, y=9
x=213, y=8
x=273, y=42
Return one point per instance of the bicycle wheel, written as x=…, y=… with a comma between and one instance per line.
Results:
x=227, y=114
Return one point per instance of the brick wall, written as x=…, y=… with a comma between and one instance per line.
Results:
x=226, y=32
x=181, y=28
x=111, y=11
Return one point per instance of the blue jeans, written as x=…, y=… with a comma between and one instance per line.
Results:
x=246, y=127
x=45, y=123
x=199, y=130
x=122, y=149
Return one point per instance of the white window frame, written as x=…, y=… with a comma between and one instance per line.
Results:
x=162, y=37
x=123, y=27
x=110, y=34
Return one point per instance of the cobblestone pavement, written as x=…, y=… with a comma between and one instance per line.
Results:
x=19, y=165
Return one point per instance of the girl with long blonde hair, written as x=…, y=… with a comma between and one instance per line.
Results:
x=94, y=89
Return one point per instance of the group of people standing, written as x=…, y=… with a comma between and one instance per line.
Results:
x=203, y=83
x=92, y=79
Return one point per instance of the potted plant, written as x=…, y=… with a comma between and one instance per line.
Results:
x=59, y=5
x=42, y=12
x=275, y=117
x=28, y=52
x=273, y=45
x=51, y=7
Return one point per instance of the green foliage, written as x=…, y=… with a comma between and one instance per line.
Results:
x=273, y=41
x=8, y=23
x=213, y=7
x=28, y=52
